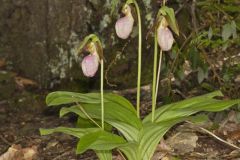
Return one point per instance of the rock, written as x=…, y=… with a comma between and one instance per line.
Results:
x=183, y=142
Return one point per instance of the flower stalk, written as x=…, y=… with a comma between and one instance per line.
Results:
x=154, y=75
x=139, y=54
x=102, y=98
x=90, y=65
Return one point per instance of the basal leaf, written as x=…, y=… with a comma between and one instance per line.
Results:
x=104, y=155
x=128, y=131
x=120, y=100
x=63, y=97
x=99, y=140
x=112, y=111
x=151, y=135
x=77, y=132
x=182, y=104
x=130, y=150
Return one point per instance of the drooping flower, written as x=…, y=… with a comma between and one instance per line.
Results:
x=90, y=62
x=165, y=38
x=90, y=65
x=124, y=25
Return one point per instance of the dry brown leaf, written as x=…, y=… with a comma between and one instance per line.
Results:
x=2, y=63
x=23, y=82
x=16, y=152
x=12, y=153
x=29, y=153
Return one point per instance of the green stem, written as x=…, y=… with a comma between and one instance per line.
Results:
x=139, y=57
x=158, y=76
x=102, y=101
x=154, y=76
x=164, y=2
x=87, y=115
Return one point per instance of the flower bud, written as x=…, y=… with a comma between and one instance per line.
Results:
x=165, y=38
x=90, y=64
x=124, y=25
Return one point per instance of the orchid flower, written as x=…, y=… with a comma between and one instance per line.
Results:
x=90, y=62
x=124, y=25
x=164, y=36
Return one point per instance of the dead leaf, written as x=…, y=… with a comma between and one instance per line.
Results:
x=29, y=153
x=23, y=82
x=12, y=153
x=16, y=152
x=2, y=63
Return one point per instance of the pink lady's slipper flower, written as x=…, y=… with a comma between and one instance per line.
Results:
x=164, y=36
x=124, y=25
x=90, y=62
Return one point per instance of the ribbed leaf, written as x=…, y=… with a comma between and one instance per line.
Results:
x=130, y=151
x=120, y=100
x=104, y=155
x=112, y=111
x=128, y=131
x=99, y=140
x=182, y=104
x=77, y=132
x=63, y=97
x=150, y=136
x=173, y=112
x=210, y=105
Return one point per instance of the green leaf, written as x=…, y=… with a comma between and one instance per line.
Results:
x=194, y=57
x=151, y=135
x=77, y=132
x=130, y=150
x=182, y=104
x=226, y=32
x=173, y=113
x=201, y=75
x=210, y=33
x=234, y=29
x=112, y=111
x=199, y=119
x=63, y=97
x=99, y=140
x=170, y=17
x=120, y=100
x=104, y=155
x=94, y=38
x=128, y=131
x=86, y=123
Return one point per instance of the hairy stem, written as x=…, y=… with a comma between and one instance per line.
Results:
x=154, y=76
x=102, y=101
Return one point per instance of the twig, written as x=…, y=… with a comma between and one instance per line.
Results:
x=121, y=154
x=216, y=137
x=63, y=154
x=194, y=18
x=4, y=140
x=114, y=62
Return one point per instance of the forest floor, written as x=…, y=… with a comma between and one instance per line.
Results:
x=21, y=118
